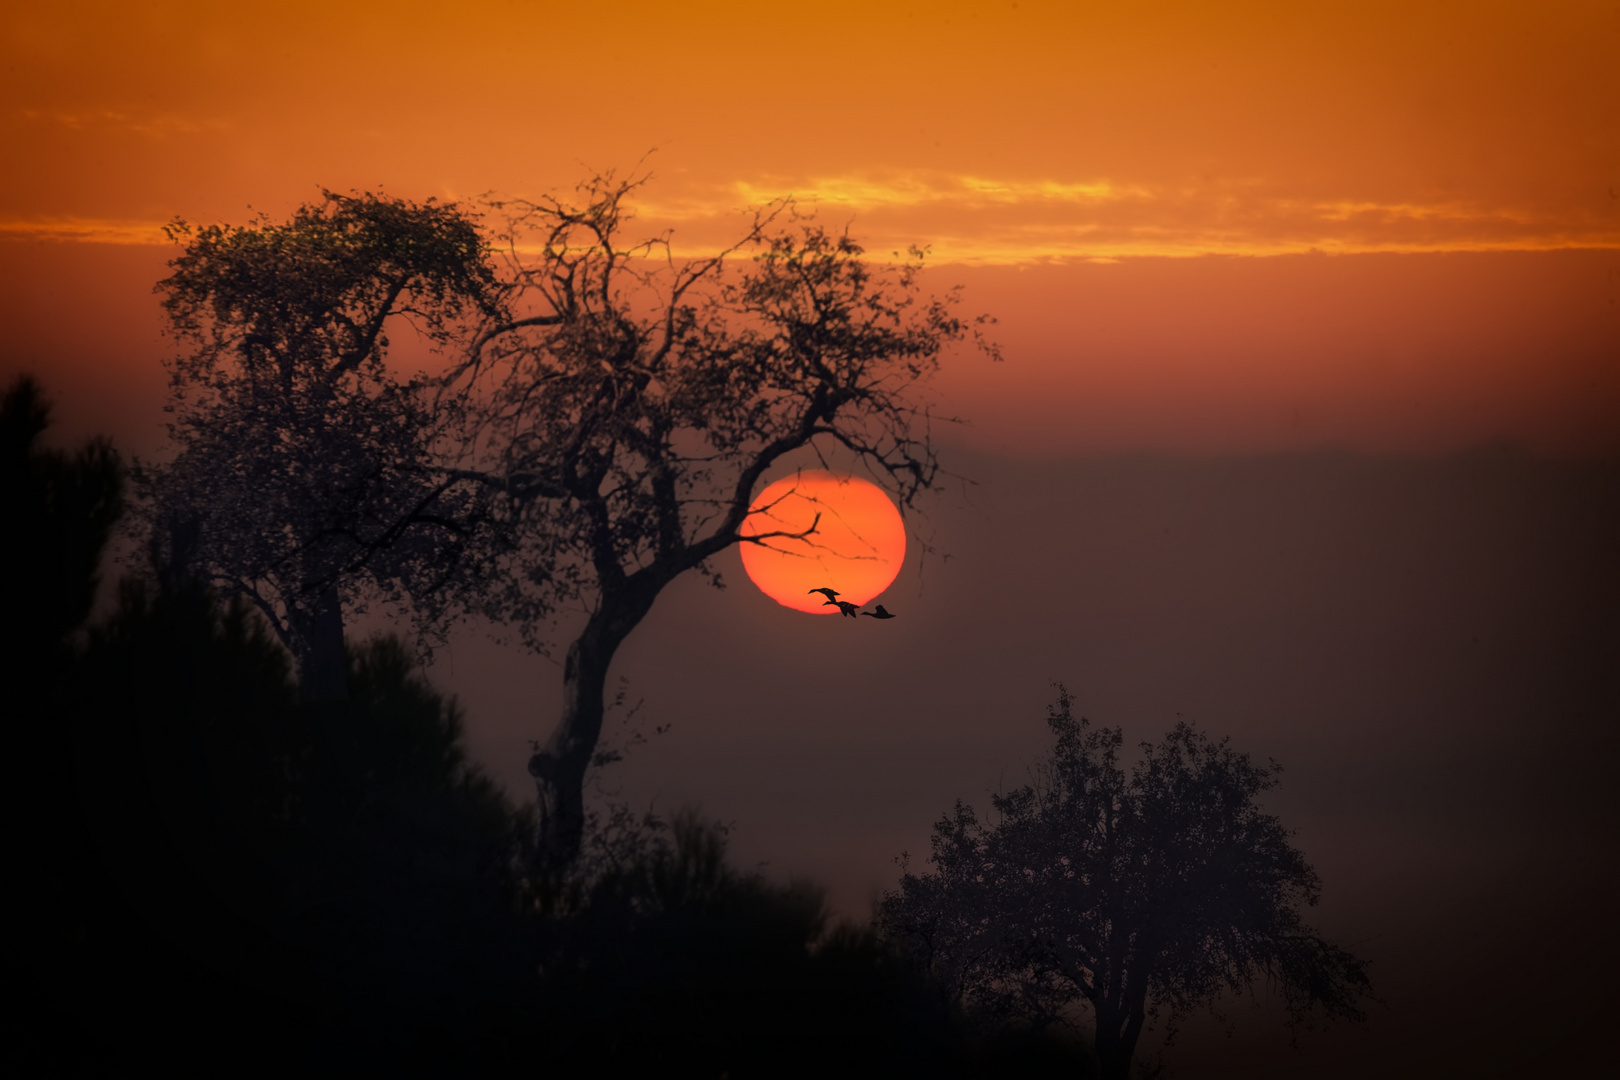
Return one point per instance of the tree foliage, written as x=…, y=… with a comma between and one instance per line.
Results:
x=303, y=475
x=330, y=882
x=673, y=962
x=1161, y=888
x=632, y=402
x=61, y=509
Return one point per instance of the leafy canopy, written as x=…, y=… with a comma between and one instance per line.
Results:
x=304, y=462
x=1164, y=886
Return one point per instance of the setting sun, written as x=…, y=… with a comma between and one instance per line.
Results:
x=857, y=547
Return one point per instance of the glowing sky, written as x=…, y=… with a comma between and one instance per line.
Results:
x=1006, y=135
x=1208, y=230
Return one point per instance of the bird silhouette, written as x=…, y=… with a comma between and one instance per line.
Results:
x=880, y=613
x=832, y=595
x=848, y=609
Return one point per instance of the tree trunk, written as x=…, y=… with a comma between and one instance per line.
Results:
x=318, y=632
x=1117, y=1033
x=559, y=766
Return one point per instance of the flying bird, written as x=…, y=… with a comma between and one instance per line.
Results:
x=832, y=595
x=846, y=608
x=880, y=613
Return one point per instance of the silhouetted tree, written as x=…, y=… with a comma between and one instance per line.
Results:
x=331, y=883
x=60, y=511
x=632, y=406
x=1162, y=888
x=303, y=470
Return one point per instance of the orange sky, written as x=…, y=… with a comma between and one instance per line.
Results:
x=1023, y=141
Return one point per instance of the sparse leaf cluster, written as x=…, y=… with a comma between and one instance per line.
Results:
x=632, y=405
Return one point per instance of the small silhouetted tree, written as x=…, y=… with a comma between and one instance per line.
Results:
x=331, y=882
x=1161, y=888
x=303, y=475
x=635, y=401
x=60, y=510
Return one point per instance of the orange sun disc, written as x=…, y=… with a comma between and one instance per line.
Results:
x=857, y=547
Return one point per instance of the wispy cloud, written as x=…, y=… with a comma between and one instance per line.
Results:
x=962, y=192
x=978, y=219
x=151, y=125
x=986, y=220
x=84, y=230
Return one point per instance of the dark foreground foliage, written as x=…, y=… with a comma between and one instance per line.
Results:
x=330, y=888
x=676, y=960
x=327, y=884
